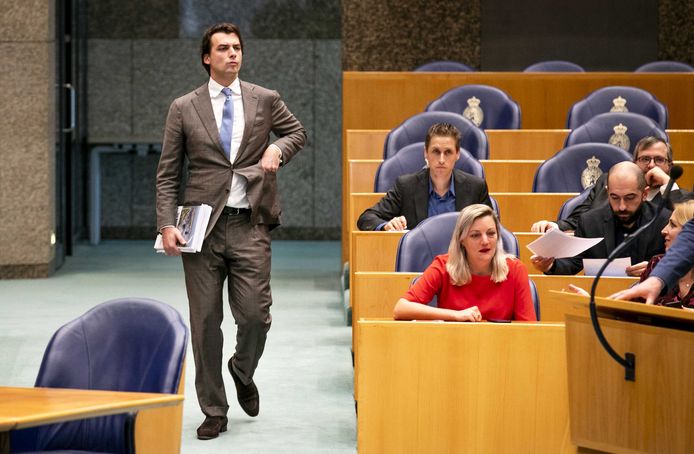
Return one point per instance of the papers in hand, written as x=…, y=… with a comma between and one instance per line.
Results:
x=618, y=267
x=192, y=222
x=558, y=244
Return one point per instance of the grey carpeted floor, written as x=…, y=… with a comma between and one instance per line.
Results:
x=305, y=377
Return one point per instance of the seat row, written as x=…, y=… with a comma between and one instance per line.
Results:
x=556, y=66
x=488, y=107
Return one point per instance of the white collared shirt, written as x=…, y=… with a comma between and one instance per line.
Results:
x=661, y=190
x=237, y=195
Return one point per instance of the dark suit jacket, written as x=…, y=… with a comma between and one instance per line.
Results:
x=191, y=132
x=598, y=197
x=599, y=222
x=409, y=197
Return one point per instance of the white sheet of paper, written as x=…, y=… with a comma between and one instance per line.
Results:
x=618, y=268
x=558, y=244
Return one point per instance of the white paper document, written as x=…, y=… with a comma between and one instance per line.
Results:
x=192, y=222
x=618, y=267
x=558, y=244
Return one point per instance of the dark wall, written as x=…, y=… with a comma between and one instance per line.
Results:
x=616, y=35
x=498, y=35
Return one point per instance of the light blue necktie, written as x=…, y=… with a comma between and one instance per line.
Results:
x=227, y=122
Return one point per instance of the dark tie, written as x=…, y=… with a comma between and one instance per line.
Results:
x=227, y=122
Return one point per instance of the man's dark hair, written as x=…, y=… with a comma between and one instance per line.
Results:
x=205, y=46
x=647, y=142
x=442, y=130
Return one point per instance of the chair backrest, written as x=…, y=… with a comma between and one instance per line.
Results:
x=410, y=159
x=487, y=107
x=444, y=66
x=665, y=66
x=621, y=129
x=418, y=247
x=536, y=298
x=570, y=205
x=554, y=66
x=129, y=344
x=415, y=129
x=617, y=99
x=572, y=169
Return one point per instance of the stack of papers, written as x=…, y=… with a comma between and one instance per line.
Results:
x=192, y=222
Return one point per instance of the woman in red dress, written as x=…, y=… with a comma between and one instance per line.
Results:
x=475, y=281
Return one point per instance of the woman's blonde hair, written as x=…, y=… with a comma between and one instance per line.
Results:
x=458, y=267
x=683, y=212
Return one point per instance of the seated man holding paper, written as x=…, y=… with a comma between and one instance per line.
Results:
x=436, y=189
x=654, y=157
x=627, y=210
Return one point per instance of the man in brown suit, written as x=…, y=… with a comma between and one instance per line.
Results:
x=223, y=131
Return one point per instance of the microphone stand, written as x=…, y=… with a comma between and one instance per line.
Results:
x=629, y=360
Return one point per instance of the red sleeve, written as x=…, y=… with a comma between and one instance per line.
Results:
x=523, y=308
x=429, y=284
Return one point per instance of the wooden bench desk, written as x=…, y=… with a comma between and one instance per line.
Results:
x=457, y=387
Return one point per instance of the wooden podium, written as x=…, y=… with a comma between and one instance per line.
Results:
x=654, y=413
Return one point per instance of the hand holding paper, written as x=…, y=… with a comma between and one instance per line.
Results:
x=557, y=244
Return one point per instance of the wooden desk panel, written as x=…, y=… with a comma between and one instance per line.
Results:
x=456, y=387
x=382, y=100
x=501, y=175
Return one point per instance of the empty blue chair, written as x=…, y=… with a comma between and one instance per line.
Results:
x=554, y=66
x=128, y=344
x=444, y=66
x=617, y=99
x=621, y=129
x=563, y=172
x=487, y=107
x=415, y=129
x=665, y=66
x=418, y=247
x=410, y=159
x=536, y=298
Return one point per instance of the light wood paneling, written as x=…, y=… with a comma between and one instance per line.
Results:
x=651, y=414
x=382, y=100
x=525, y=143
x=456, y=387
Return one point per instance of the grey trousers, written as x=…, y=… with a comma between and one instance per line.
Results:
x=238, y=252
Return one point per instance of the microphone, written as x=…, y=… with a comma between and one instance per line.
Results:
x=629, y=360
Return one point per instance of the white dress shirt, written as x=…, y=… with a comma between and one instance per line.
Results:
x=237, y=196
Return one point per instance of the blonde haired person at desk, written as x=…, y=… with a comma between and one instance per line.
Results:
x=475, y=281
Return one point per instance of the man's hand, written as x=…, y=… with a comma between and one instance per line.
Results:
x=636, y=270
x=656, y=177
x=543, y=226
x=171, y=239
x=471, y=314
x=398, y=223
x=271, y=159
x=648, y=289
x=542, y=263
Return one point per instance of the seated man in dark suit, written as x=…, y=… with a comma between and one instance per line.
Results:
x=654, y=157
x=626, y=211
x=438, y=188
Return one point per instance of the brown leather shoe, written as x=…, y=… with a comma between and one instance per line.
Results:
x=247, y=395
x=211, y=427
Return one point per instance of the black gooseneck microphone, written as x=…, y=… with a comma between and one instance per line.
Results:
x=629, y=360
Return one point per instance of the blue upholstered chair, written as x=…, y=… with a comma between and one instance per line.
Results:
x=129, y=344
x=415, y=128
x=562, y=172
x=419, y=246
x=444, y=66
x=621, y=129
x=665, y=66
x=554, y=66
x=536, y=298
x=570, y=205
x=617, y=98
x=486, y=106
x=410, y=159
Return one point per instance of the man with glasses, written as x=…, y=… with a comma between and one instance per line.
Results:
x=653, y=156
